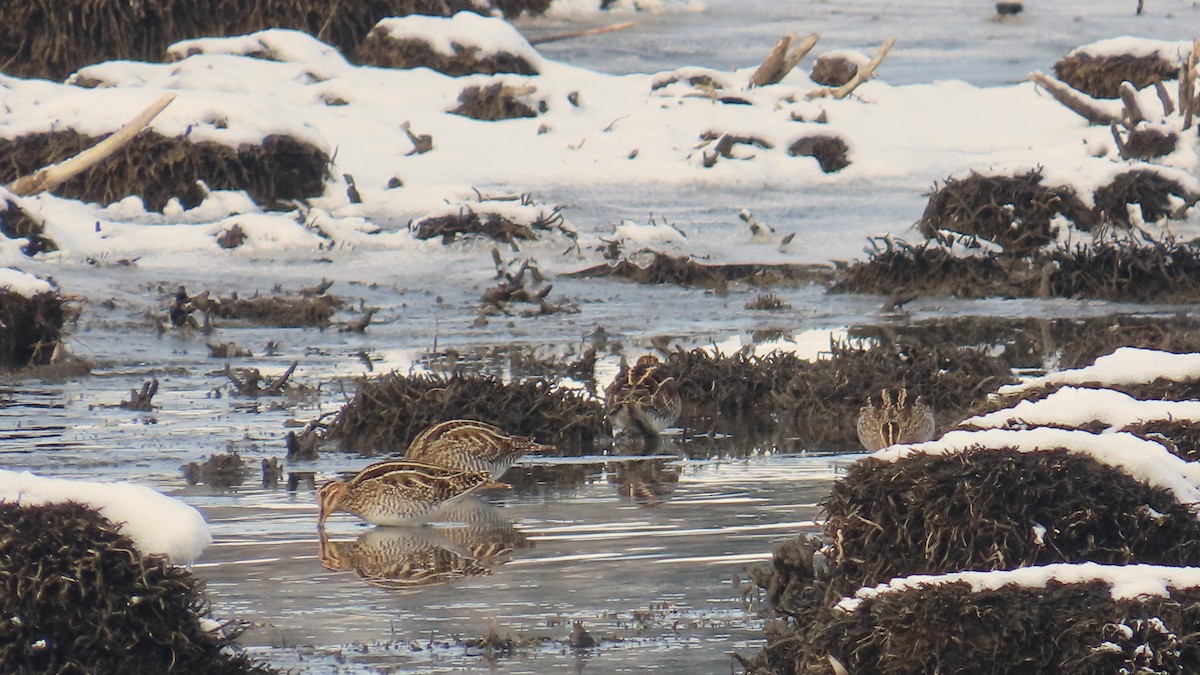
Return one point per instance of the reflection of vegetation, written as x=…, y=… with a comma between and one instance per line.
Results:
x=515, y=362
x=387, y=412
x=551, y=480
x=647, y=482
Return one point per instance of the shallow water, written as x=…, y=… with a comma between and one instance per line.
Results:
x=642, y=551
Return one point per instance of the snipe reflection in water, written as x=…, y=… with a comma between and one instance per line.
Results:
x=648, y=482
x=473, y=538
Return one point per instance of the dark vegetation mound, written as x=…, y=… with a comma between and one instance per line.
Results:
x=380, y=49
x=78, y=598
x=1101, y=76
x=388, y=411
x=1150, y=270
x=280, y=309
x=820, y=400
x=30, y=328
x=832, y=70
x=55, y=39
x=1150, y=191
x=493, y=102
x=1181, y=437
x=1012, y=211
x=829, y=151
x=1149, y=143
x=468, y=222
x=1034, y=343
x=683, y=271
x=947, y=628
x=975, y=510
x=157, y=168
x=17, y=223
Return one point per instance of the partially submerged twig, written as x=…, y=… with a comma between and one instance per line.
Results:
x=140, y=400
x=582, y=33
x=247, y=381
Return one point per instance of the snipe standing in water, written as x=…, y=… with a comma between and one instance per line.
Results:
x=643, y=397
x=471, y=446
x=397, y=492
x=888, y=420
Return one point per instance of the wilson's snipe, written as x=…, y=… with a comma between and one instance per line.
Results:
x=644, y=397
x=397, y=492
x=471, y=446
x=888, y=420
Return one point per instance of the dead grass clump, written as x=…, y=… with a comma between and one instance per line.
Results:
x=1146, y=271
x=1101, y=76
x=948, y=628
x=381, y=49
x=222, y=470
x=30, y=328
x=158, y=168
x=683, y=271
x=1149, y=143
x=767, y=302
x=492, y=102
x=17, y=223
x=495, y=226
x=975, y=510
x=231, y=237
x=388, y=411
x=1180, y=437
x=283, y=311
x=55, y=39
x=78, y=597
x=833, y=70
x=1080, y=341
x=1149, y=190
x=1014, y=212
x=818, y=401
x=927, y=267
x=829, y=151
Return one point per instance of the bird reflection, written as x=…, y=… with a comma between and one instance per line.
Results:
x=400, y=558
x=646, y=481
x=470, y=538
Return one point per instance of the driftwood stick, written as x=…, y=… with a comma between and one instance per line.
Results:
x=866, y=71
x=1133, y=110
x=1116, y=134
x=50, y=177
x=1079, y=103
x=277, y=385
x=770, y=66
x=1164, y=97
x=796, y=53
x=582, y=33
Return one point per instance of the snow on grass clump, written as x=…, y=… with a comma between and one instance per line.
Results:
x=1127, y=365
x=1125, y=582
x=22, y=283
x=1141, y=459
x=1078, y=407
x=158, y=524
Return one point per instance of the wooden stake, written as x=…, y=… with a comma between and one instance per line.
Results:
x=582, y=33
x=50, y=177
x=1079, y=103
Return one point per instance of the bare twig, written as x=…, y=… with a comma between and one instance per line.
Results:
x=782, y=59
x=1133, y=110
x=52, y=176
x=866, y=71
x=140, y=400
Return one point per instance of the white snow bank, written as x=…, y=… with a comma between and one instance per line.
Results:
x=273, y=44
x=1125, y=582
x=465, y=29
x=1127, y=365
x=157, y=524
x=16, y=281
x=1142, y=459
x=1072, y=406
